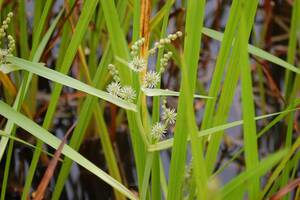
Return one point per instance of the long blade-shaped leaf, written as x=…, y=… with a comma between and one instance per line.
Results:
x=26, y=81
x=39, y=69
x=120, y=49
x=166, y=92
x=16, y=139
x=263, y=167
x=249, y=127
x=51, y=140
x=255, y=51
x=229, y=86
x=169, y=142
x=186, y=118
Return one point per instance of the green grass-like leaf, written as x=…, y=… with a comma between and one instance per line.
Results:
x=120, y=49
x=48, y=138
x=229, y=85
x=165, y=92
x=216, y=129
x=186, y=119
x=230, y=188
x=3, y=134
x=255, y=51
x=39, y=69
x=249, y=127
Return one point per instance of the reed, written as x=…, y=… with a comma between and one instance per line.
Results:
x=120, y=56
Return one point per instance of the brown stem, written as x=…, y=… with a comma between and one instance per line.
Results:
x=145, y=25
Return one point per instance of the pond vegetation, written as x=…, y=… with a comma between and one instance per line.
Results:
x=141, y=99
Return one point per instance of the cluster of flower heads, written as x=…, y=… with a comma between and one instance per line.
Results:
x=151, y=78
x=168, y=119
x=116, y=89
x=11, y=42
x=137, y=63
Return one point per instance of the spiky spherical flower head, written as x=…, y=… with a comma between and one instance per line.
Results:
x=158, y=131
x=169, y=116
x=151, y=79
x=128, y=94
x=137, y=64
x=114, y=89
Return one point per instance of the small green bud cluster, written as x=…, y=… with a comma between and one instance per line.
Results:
x=162, y=42
x=4, y=25
x=11, y=42
x=136, y=47
x=164, y=61
x=137, y=64
x=116, y=89
x=114, y=72
x=188, y=177
x=168, y=119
